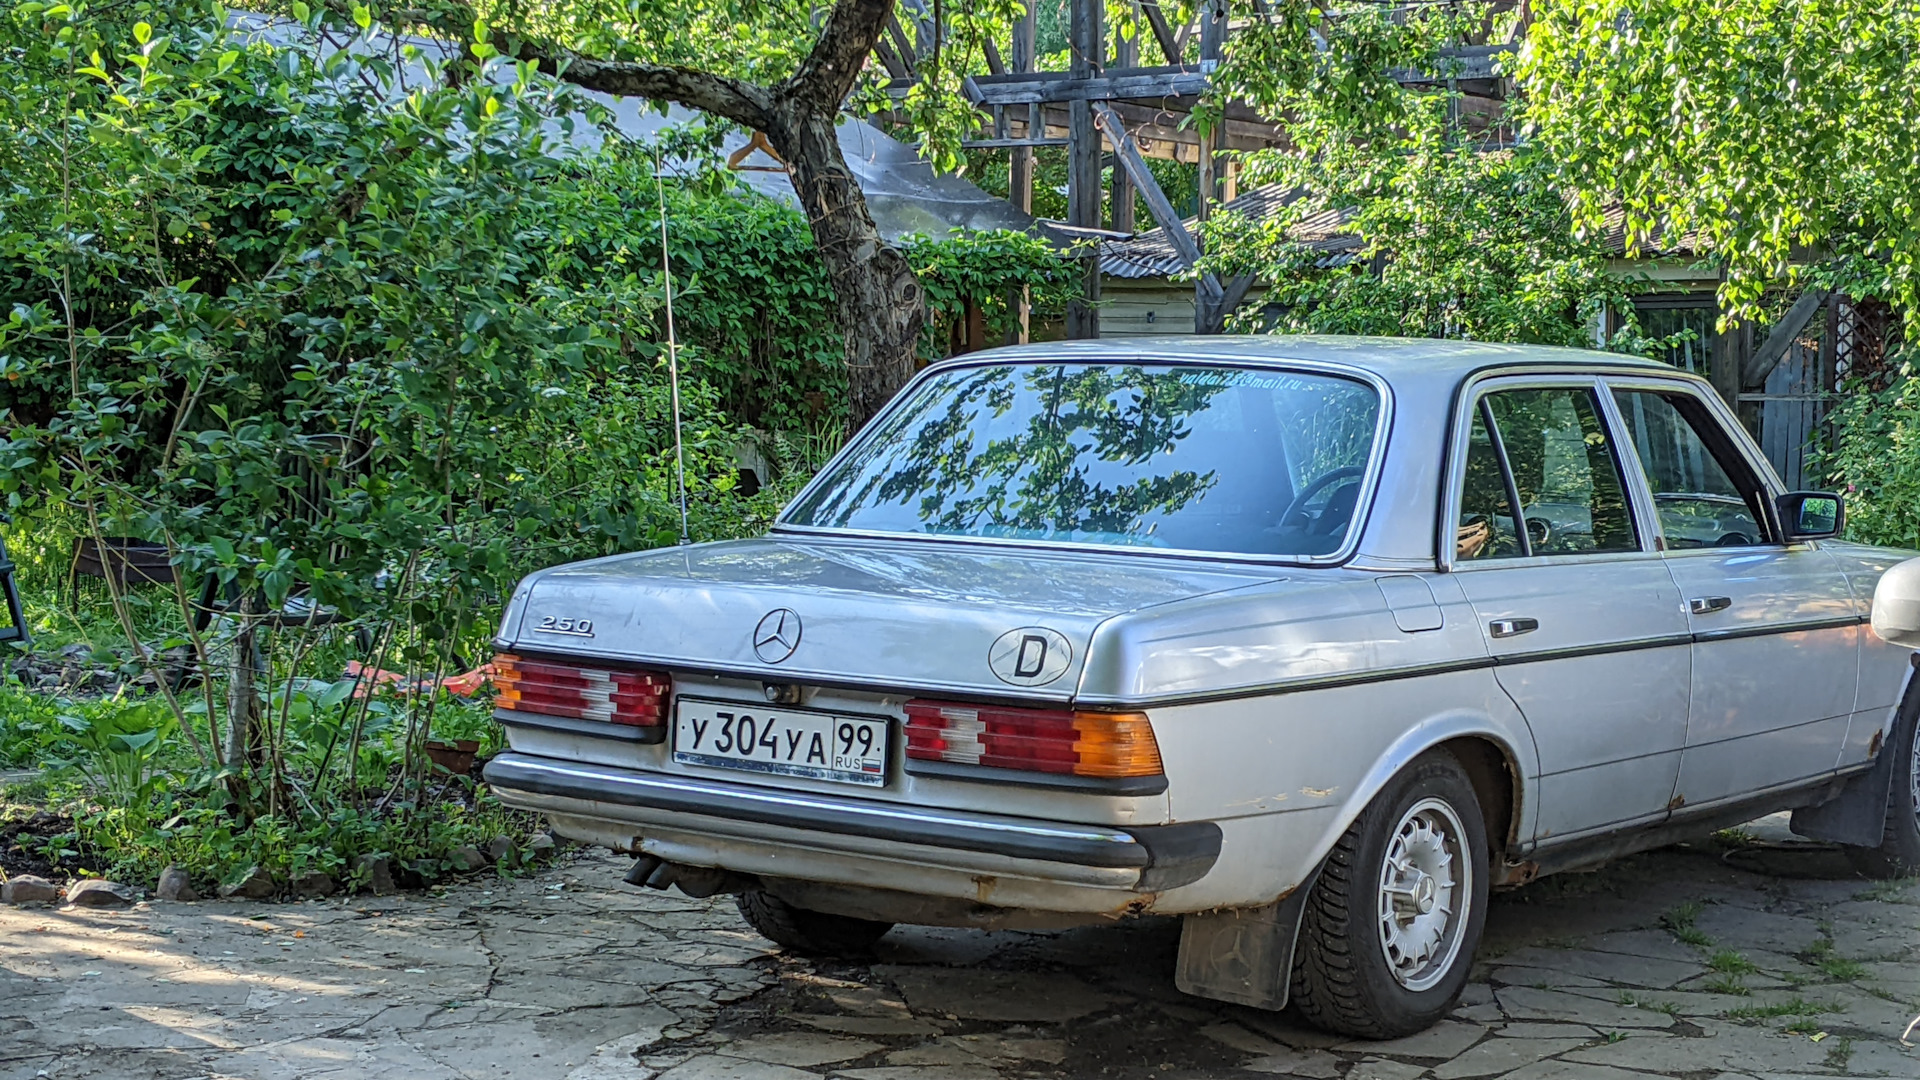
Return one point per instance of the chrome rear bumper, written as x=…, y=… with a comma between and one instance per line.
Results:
x=783, y=827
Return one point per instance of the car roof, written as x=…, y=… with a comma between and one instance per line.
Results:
x=1394, y=359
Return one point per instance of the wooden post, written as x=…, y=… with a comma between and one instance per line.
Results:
x=1087, y=42
x=1020, y=175
x=1126, y=54
x=1207, y=316
x=1020, y=180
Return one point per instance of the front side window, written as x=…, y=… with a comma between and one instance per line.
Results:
x=1216, y=459
x=1546, y=450
x=1700, y=503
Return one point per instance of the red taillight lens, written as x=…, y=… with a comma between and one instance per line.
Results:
x=1036, y=740
x=636, y=698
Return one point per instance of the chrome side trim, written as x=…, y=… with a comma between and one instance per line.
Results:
x=1733, y=632
x=1448, y=667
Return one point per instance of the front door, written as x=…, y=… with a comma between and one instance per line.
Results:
x=1577, y=608
x=1775, y=627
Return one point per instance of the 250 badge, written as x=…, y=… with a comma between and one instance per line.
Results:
x=550, y=624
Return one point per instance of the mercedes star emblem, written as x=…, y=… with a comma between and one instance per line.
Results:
x=777, y=635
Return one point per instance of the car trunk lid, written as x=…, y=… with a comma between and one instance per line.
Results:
x=913, y=616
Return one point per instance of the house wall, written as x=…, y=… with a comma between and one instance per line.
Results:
x=1143, y=307
x=1138, y=307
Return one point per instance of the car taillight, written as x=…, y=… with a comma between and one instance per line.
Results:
x=636, y=698
x=1097, y=744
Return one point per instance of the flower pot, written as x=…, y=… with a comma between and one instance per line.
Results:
x=130, y=561
x=455, y=757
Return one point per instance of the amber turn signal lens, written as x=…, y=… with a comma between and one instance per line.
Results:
x=1115, y=744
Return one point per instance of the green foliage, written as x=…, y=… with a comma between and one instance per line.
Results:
x=1454, y=242
x=1767, y=126
x=990, y=270
x=1874, y=458
x=370, y=353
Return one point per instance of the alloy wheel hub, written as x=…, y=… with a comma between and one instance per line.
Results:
x=1424, y=891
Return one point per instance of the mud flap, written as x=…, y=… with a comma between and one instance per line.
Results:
x=1858, y=815
x=1243, y=955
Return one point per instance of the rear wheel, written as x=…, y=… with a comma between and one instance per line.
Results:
x=1391, y=926
x=1899, y=852
x=811, y=933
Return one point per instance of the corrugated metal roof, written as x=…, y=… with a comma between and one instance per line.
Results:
x=1150, y=254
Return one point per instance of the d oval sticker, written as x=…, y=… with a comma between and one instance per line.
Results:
x=1029, y=656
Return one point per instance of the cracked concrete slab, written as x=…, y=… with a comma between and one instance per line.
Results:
x=572, y=975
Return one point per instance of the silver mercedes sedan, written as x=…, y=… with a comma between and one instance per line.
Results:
x=1310, y=641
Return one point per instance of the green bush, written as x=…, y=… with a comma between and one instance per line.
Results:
x=368, y=353
x=1874, y=458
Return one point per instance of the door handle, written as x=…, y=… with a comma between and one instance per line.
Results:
x=1707, y=605
x=1512, y=627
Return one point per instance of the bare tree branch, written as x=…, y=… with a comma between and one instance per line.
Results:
x=745, y=103
x=825, y=78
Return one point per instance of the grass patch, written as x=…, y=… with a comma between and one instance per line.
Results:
x=1797, y=1006
x=1636, y=1002
x=1839, y=968
x=1891, y=891
x=1728, y=962
x=1680, y=923
x=1839, y=1053
x=1726, y=984
x=1803, y=1027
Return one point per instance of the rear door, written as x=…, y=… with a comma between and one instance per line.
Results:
x=1576, y=606
x=1776, y=630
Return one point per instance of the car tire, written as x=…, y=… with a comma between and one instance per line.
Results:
x=1899, y=852
x=1373, y=962
x=810, y=933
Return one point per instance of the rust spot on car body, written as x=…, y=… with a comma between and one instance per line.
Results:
x=1677, y=802
x=983, y=886
x=1873, y=747
x=1515, y=874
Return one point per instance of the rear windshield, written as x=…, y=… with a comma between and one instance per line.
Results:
x=1231, y=460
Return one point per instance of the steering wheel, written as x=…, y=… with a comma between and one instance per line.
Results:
x=1734, y=539
x=1539, y=530
x=1298, y=507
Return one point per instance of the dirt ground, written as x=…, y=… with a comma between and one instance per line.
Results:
x=1766, y=961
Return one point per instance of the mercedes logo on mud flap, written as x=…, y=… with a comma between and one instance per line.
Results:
x=1029, y=656
x=777, y=635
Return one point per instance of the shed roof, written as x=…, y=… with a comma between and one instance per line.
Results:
x=1150, y=254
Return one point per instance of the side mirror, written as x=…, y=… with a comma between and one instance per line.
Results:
x=1896, y=605
x=1811, y=515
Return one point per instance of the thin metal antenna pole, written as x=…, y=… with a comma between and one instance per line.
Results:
x=673, y=358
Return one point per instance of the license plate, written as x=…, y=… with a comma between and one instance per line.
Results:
x=781, y=742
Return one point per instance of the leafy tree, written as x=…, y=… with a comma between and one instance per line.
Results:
x=1772, y=128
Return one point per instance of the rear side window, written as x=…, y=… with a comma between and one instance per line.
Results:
x=1701, y=501
x=1546, y=451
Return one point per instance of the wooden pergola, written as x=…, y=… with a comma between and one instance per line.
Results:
x=1109, y=102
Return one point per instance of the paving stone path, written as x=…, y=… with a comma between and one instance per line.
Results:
x=1764, y=962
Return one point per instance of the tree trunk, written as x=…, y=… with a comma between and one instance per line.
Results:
x=881, y=312
x=243, y=700
x=880, y=302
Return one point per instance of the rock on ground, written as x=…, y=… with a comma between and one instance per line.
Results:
x=379, y=872
x=29, y=889
x=256, y=884
x=175, y=885
x=98, y=893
